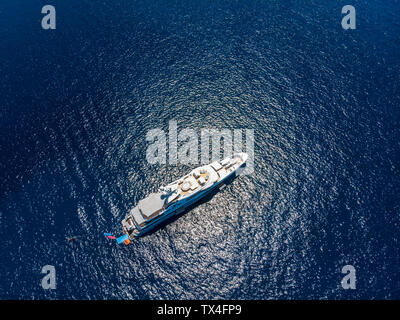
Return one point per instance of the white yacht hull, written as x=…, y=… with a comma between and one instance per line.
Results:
x=134, y=225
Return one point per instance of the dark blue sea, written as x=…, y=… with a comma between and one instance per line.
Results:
x=76, y=104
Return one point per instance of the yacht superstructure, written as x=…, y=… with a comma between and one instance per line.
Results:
x=178, y=195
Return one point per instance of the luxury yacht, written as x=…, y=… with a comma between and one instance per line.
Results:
x=174, y=198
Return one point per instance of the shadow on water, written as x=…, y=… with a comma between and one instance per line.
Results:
x=203, y=200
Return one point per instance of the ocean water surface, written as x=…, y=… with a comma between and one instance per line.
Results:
x=324, y=103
